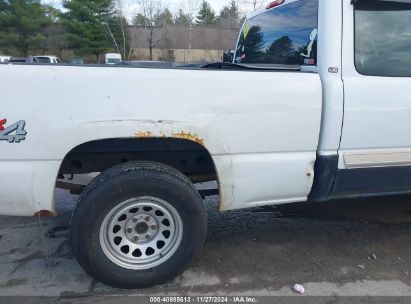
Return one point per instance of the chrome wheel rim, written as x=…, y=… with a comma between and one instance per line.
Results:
x=141, y=233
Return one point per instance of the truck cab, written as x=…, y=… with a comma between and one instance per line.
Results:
x=360, y=50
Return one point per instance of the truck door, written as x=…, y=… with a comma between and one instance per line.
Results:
x=275, y=133
x=375, y=148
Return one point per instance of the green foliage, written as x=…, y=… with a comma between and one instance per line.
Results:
x=164, y=17
x=118, y=26
x=87, y=22
x=52, y=12
x=140, y=19
x=160, y=18
x=55, y=34
x=206, y=15
x=89, y=26
x=181, y=18
x=22, y=25
x=230, y=15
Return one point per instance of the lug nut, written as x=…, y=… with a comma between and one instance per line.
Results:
x=136, y=239
x=148, y=236
x=147, y=218
x=129, y=230
x=153, y=227
x=134, y=220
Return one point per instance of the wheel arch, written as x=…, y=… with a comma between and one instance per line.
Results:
x=75, y=137
x=188, y=155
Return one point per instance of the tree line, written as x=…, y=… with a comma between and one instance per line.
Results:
x=153, y=14
x=93, y=27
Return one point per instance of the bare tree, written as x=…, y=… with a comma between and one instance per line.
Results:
x=191, y=8
x=256, y=4
x=112, y=36
x=117, y=29
x=149, y=9
x=120, y=13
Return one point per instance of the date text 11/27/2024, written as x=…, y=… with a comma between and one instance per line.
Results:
x=199, y=299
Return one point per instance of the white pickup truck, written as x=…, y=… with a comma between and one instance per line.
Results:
x=316, y=106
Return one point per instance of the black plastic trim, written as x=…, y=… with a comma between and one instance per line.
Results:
x=332, y=183
x=325, y=172
x=372, y=181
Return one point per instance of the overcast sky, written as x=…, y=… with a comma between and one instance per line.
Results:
x=131, y=7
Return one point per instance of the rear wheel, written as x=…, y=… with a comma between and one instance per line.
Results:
x=137, y=225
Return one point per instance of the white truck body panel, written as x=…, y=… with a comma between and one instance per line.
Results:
x=377, y=112
x=263, y=129
x=307, y=127
x=329, y=56
x=263, y=141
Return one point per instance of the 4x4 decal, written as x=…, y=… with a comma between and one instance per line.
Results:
x=13, y=134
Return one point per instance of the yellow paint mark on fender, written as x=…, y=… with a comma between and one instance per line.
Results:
x=189, y=136
x=142, y=134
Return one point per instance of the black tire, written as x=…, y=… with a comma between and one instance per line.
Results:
x=128, y=181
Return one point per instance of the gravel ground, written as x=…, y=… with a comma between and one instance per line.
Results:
x=348, y=248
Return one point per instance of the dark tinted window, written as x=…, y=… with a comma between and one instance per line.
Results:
x=383, y=37
x=42, y=59
x=283, y=35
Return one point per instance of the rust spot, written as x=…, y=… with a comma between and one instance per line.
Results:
x=44, y=213
x=143, y=134
x=180, y=135
x=189, y=136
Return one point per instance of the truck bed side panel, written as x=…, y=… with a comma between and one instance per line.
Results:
x=261, y=128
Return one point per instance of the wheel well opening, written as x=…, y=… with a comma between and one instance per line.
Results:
x=190, y=158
